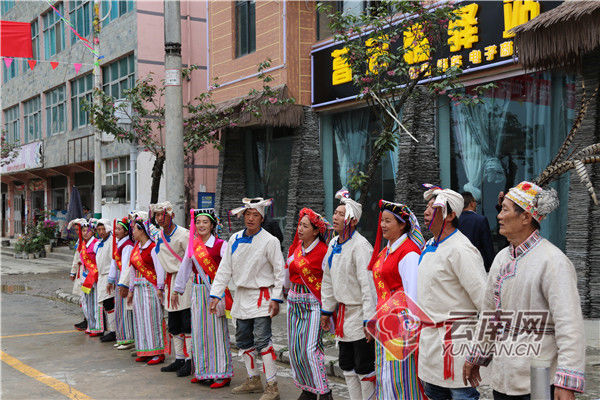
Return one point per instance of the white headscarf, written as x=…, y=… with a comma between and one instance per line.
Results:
x=77, y=221
x=106, y=223
x=165, y=207
x=444, y=197
x=353, y=208
x=257, y=203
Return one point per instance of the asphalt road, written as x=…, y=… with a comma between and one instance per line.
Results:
x=43, y=358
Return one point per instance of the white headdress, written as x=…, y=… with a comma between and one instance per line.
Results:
x=353, y=208
x=165, y=207
x=77, y=221
x=444, y=197
x=106, y=223
x=257, y=203
x=533, y=199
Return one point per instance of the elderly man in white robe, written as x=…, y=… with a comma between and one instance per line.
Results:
x=533, y=287
x=170, y=249
x=103, y=261
x=253, y=262
x=450, y=283
x=348, y=290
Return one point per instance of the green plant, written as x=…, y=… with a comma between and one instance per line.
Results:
x=47, y=229
x=20, y=244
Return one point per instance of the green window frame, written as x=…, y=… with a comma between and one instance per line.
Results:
x=32, y=115
x=117, y=8
x=35, y=44
x=10, y=72
x=54, y=33
x=7, y=5
x=118, y=76
x=81, y=89
x=12, y=124
x=81, y=13
x=56, y=111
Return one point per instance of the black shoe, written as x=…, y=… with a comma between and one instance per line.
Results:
x=186, y=369
x=327, y=396
x=306, y=395
x=174, y=366
x=82, y=326
x=109, y=337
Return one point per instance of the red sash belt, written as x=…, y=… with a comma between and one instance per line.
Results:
x=264, y=292
x=168, y=284
x=339, y=320
x=447, y=347
x=250, y=353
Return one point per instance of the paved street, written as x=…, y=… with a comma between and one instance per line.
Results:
x=43, y=357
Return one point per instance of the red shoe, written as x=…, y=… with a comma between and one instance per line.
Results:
x=220, y=383
x=87, y=331
x=195, y=380
x=96, y=334
x=143, y=359
x=159, y=360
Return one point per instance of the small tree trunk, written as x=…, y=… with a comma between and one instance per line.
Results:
x=157, y=170
x=371, y=167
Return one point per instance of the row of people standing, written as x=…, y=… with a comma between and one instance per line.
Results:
x=340, y=284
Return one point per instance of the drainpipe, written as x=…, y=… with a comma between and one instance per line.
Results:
x=133, y=152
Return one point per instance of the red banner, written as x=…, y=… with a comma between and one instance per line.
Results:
x=15, y=39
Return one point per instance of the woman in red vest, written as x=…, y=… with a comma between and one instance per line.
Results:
x=395, y=276
x=304, y=267
x=210, y=335
x=143, y=293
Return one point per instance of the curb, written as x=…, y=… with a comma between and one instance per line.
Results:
x=68, y=297
x=281, y=350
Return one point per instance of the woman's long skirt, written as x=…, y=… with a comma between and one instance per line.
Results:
x=210, y=337
x=123, y=317
x=93, y=311
x=307, y=358
x=395, y=379
x=149, y=329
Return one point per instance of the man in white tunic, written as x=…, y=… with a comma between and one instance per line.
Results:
x=103, y=261
x=253, y=263
x=450, y=283
x=170, y=249
x=547, y=319
x=348, y=290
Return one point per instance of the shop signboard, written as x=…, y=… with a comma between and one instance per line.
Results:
x=484, y=41
x=29, y=156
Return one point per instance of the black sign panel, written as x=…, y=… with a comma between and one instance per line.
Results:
x=114, y=191
x=486, y=48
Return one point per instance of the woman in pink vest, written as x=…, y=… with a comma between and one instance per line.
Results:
x=210, y=335
x=395, y=276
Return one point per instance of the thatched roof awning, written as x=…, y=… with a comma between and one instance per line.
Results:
x=559, y=37
x=286, y=115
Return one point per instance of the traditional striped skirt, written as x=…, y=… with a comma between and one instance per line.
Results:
x=149, y=329
x=123, y=318
x=305, y=341
x=93, y=311
x=210, y=337
x=395, y=379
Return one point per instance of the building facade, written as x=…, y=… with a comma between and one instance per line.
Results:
x=41, y=106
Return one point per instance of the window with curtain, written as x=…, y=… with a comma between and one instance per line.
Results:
x=35, y=44
x=56, y=111
x=267, y=156
x=81, y=89
x=115, y=9
x=346, y=141
x=12, y=124
x=117, y=173
x=32, y=116
x=511, y=137
x=245, y=27
x=81, y=13
x=118, y=77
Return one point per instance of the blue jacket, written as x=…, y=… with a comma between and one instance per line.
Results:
x=477, y=229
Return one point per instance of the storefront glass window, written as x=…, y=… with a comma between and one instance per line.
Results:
x=510, y=137
x=346, y=141
x=268, y=153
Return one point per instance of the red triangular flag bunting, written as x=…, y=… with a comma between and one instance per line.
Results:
x=77, y=67
x=54, y=64
x=31, y=64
